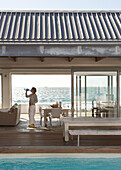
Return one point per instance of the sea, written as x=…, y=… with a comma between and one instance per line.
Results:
x=46, y=95
x=51, y=95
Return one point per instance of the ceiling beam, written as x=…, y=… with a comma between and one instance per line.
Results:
x=56, y=56
x=42, y=59
x=12, y=58
x=99, y=58
x=70, y=59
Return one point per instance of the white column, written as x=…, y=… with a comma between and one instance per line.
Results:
x=77, y=88
x=109, y=83
x=118, y=94
x=85, y=96
x=72, y=94
x=6, y=89
x=112, y=85
x=80, y=94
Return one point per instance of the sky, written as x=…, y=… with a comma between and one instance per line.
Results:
x=60, y=4
x=57, y=5
x=29, y=81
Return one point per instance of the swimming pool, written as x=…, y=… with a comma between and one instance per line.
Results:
x=62, y=162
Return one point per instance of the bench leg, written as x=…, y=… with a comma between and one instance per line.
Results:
x=71, y=137
x=66, y=132
x=78, y=141
x=106, y=114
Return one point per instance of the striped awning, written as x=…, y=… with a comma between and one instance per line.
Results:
x=57, y=26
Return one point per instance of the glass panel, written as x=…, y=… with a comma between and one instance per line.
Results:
x=0, y=91
x=95, y=94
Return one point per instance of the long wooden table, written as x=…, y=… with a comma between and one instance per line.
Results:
x=87, y=122
x=48, y=110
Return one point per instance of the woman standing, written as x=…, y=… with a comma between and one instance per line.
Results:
x=32, y=100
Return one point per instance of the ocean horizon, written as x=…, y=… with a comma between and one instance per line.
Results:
x=50, y=95
x=47, y=95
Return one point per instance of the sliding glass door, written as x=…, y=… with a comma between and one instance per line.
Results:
x=95, y=94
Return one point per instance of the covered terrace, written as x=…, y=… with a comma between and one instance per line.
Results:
x=83, y=44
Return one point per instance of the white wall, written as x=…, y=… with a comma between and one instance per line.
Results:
x=6, y=87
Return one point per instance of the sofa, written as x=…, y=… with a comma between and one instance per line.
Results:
x=10, y=117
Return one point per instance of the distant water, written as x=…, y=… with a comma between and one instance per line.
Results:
x=49, y=95
x=45, y=95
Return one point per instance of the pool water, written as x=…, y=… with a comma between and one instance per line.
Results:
x=61, y=164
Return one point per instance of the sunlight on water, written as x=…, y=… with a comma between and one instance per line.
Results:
x=45, y=95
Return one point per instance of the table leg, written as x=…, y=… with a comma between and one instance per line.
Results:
x=92, y=112
x=99, y=112
x=45, y=118
x=66, y=132
x=66, y=113
x=78, y=140
x=106, y=113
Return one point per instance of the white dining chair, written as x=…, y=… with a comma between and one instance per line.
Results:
x=55, y=113
x=42, y=115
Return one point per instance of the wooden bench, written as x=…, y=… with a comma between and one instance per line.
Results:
x=93, y=132
x=87, y=123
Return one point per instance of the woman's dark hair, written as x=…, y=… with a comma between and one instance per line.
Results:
x=33, y=88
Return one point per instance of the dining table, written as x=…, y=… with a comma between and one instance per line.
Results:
x=65, y=112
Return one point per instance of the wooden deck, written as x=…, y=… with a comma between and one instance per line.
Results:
x=19, y=139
